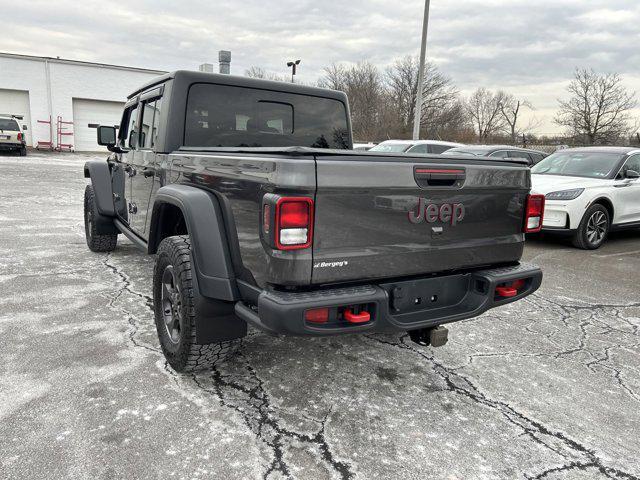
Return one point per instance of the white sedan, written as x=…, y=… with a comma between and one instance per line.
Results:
x=589, y=191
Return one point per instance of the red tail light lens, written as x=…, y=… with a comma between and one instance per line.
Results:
x=294, y=214
x=19, y=137
x=317, y=315
x=534, y=213
x=294, y=221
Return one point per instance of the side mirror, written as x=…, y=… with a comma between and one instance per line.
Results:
x=24, y=127
x=631, y=174
x=106, y=136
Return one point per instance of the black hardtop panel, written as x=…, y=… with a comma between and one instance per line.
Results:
x=177, y=85
x=184, y=78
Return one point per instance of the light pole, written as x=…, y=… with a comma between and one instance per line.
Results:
x=423, y=52
x=294, y=64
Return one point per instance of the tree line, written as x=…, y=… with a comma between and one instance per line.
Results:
x=598, y=108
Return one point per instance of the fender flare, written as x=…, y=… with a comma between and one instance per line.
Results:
x=100, y=175
x=209, y=246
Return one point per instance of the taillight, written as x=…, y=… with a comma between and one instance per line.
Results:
x=317, y=315
x=534, y=212
x=294, y=223
x=19, y=137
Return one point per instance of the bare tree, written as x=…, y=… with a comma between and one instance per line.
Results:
x=334, y=77
x=440, y=107
x=259, y=72
x=485, y=112
x=598, y=108
x=368, y=99
x=511, y=107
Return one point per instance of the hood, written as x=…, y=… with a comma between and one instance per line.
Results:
x=544, y=184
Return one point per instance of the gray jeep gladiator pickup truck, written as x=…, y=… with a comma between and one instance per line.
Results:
x=261, y=213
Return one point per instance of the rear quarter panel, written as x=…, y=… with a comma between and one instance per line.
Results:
x=240, y=182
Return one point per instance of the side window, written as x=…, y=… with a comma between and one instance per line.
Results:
x=128, y=130
x=422, y=148
x=520, y=154
x=146, y=123
x=500, y=154
x=537, y=157
x=632, y=163
x=438, y=149
x=156, y=121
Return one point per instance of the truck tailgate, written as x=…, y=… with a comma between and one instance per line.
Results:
x=383, y=217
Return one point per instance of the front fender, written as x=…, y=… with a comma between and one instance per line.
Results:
x=100, y=175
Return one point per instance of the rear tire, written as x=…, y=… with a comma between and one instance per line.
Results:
x=23, y=151
x=95, y=241
x=176, y=310
x=593, y=228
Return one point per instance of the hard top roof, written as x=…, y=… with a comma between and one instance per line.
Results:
x=188, y=77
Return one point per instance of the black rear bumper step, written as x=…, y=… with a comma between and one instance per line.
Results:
x=394, y=306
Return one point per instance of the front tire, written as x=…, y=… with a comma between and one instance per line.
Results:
x=176, y=310
x=593, y=229
x=95, y=241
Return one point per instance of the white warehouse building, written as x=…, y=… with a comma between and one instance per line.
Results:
x=85, y=93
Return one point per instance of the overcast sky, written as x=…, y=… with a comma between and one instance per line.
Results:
x=528, y=47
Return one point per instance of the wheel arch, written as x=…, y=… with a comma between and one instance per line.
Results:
x=606, y=203
x=100, y=175
x=187, y=210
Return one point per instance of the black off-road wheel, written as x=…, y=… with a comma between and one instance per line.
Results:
x=593, y=229
x=176, y=309
x=95, y=241
x=23, y=151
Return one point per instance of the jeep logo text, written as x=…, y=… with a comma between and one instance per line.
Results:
x=452, y=213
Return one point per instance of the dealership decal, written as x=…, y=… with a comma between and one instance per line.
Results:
x=341, y=263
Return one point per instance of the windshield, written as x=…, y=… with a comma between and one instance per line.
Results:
x=578, y=164
x=9, y=124
x=391, y=147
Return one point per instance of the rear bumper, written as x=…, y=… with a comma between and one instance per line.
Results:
x=394, y=306
x=11, y=146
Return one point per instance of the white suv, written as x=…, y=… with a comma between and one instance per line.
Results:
x=12, y=135
x=589, y=191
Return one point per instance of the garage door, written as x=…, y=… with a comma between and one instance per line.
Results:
x=16, y=102
x=92, y=112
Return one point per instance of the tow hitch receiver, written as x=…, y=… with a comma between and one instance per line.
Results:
x=436, y=336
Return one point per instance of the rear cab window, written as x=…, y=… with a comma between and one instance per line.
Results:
x=229, y=116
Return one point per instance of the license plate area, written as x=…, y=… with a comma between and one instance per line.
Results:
x=428, y=293
x=422, y=299
x=5, y=137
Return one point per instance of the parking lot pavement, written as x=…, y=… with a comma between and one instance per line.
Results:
x=545, y=388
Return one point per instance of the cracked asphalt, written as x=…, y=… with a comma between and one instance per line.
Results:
x=547, y=388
